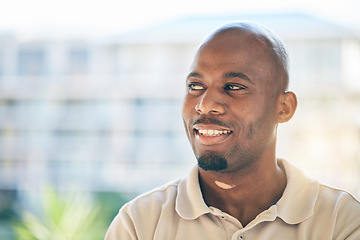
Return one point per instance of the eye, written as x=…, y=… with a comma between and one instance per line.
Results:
x=234, y=87
x=195, y=87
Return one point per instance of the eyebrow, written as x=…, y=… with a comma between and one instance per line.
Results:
x=194, y=74
x=237, y=75
x=225, y=75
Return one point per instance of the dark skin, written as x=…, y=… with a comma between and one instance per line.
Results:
x=235, y=80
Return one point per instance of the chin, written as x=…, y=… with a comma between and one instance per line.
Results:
x=212, y=162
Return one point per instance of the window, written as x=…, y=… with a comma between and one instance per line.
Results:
x=315, y=62
x=78, y=61
x=32, y=62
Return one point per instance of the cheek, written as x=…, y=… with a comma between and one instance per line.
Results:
x=262, y=129
x=188, y=107
x=251, y=131
x=187, y=110
x=255, y=121
x=185, y=115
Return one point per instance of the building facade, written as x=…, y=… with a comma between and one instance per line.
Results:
x=106, y=115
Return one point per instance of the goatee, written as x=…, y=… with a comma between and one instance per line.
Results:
x=212, y=162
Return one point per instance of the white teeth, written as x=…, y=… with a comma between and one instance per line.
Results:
x=213, y=132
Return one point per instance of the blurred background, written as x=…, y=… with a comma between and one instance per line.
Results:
x=91, y=95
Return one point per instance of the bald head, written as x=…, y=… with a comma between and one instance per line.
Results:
x=258, y=34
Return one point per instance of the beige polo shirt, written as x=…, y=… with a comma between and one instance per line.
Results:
x=307, y=210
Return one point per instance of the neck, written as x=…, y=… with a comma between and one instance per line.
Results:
x=244, y=193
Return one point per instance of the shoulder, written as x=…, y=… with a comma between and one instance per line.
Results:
x=340, y=201
x=337, y=198
x=154, y=199
x=342, y=208
x=137, y=219
x=321, y=208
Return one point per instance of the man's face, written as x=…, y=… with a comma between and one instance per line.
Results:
x=229, y=108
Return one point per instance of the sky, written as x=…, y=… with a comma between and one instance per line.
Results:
x=103, y=17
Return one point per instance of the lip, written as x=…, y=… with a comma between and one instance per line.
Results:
x=204, y=126
x=215, y=134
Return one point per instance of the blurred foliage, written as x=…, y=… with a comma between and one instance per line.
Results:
x=68, y=217
x=7, y=206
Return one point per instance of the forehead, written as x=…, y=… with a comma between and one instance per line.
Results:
x=236, y=50
x=236, y=38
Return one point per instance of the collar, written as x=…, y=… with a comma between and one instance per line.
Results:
x=189, y=201
x=296, y=205
x=298, y=200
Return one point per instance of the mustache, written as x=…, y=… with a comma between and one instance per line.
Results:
x=213, y=121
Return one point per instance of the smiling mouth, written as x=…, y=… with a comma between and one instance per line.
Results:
x=211, y=134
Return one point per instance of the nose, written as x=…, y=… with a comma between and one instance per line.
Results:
x=211, y=103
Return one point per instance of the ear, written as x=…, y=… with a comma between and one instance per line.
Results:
x=286, y=106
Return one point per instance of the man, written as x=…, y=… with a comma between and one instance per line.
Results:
x=236, y=97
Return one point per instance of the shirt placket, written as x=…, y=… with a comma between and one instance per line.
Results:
x=230, y=224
